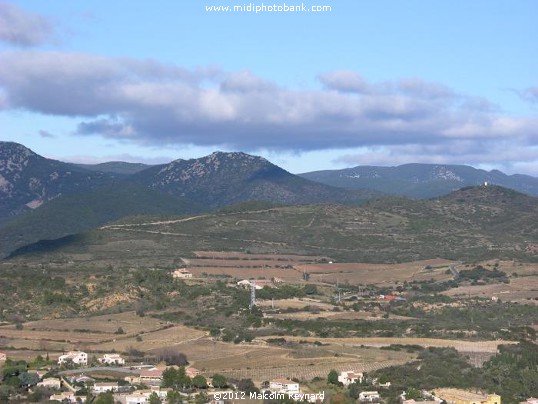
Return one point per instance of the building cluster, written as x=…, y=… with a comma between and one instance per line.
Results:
x=145, y=382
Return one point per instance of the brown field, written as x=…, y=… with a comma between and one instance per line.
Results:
x=294, y=303
x=156, y=339
x=524, y=288
x=361, y=273
x=232, y=263
x=261, y=362
x=271, y=257
x=129, y=321
x=288, y=275
x=250, y=266
x=460, y=345
x=96, y=334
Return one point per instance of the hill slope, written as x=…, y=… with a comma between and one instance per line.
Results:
x=71, y=214
x=421, y=180
x=470, y=224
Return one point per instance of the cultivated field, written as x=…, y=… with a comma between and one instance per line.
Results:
x=288, y=275
x=261, y=362
x=271, y=257
x=524, y=288
x=362, y=273
x=460, y=345
x=96, y=334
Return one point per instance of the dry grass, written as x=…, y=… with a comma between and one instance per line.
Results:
x=264, y=363
x=128, y=321
x=524, y=288
x=361, y=273
x=288, y=275
x=168, y=337
x=294, y=303
x=243, y=256
x=460, y=345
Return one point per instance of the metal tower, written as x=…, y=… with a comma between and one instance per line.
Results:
x=252, y=294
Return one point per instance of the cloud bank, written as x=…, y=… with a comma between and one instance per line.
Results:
x=22, y=28
x=152, y=103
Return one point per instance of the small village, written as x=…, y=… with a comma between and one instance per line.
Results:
x=68, y=380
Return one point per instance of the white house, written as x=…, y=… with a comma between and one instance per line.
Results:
x=77, y=357
x=3, y=356
x=142, y=396
x=104, y=387
x=346, y=378
x=112, y=359
x=369, y=396
x=284, y=386
x=151, y=376
x=68, y=397
x=181, y=273
x=51, y=383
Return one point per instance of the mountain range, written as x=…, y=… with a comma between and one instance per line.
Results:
x=44, y=199
x=421, y=180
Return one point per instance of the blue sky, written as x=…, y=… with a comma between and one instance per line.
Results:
x=368, y=82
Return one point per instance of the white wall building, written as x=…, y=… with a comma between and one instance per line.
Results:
x=112, y=359
x=104, y=387
x=369, y=396
x=77, y=357
x=51, y=383
x=284, y=386
x=346, y=378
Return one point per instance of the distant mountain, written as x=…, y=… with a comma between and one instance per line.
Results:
x=421, y=180
x=222, y=179
x=44, y=199
x=28, y=180
x=115, y=167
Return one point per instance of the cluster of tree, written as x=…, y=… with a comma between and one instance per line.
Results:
x=178, y=379
x=511, y=373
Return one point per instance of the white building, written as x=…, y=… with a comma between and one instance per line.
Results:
x=181, y=274
x=142, y=396
x=369, y=396
x=77, y=357
x=3, y=356
x=284, y=386
x=51, y=383
x=104, y=387
x=68, y=397
x=112, y=359
x=346, y=378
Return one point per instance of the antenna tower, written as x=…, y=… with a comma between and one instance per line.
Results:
x=252, y=294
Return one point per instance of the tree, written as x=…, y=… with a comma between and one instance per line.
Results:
x=332, y=377
x=202, y=398
x=412, y=393
x=199, y=382
x=170, y=378
x=173, y=397
x=247, y=385
x=104, y=398
x=154, y=399
x=219, y=381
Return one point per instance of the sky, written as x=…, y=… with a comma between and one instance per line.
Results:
x=323, y=84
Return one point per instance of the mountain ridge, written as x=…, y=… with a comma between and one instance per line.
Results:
x=417, y=180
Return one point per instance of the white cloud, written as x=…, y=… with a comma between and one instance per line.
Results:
x=22, y=28
x=150, y=103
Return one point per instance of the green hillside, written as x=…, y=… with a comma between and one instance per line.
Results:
x=471, y=224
